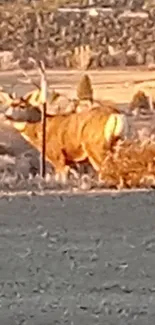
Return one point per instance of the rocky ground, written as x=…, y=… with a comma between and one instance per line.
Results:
x=113, y=37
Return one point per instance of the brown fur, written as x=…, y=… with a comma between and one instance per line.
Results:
x=140, y=103
x=75, y=137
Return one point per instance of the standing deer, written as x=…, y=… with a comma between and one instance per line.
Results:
x=70, y=138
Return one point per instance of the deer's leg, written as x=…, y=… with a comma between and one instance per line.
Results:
x=95, y=154
x=61, y=176
x=58, y=161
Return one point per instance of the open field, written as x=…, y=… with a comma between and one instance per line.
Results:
x=85, y=259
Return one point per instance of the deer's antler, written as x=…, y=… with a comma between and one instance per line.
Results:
x=39, y=95
x=29, y=79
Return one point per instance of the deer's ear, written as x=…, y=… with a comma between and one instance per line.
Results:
x=32, y=97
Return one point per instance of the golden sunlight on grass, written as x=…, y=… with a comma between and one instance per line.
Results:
x=132, y=164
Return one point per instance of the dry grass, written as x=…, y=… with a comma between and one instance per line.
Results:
x=130, y=165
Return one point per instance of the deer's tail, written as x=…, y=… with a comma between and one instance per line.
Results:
x=116, y=127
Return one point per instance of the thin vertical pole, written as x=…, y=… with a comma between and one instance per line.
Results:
x=43, y=152
x=43, y=119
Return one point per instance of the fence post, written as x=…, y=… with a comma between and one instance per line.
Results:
x=43, y=119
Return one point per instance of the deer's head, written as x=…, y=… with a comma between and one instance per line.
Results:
x=140, y=101
x=20, y=113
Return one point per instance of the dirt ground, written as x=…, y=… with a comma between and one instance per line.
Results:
x=85, y=258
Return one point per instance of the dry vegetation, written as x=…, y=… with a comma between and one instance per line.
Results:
x=36, y=29
x=130, y=165
x=43, y=5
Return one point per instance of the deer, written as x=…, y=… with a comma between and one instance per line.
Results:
x=143, y=100
x=72, y=138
